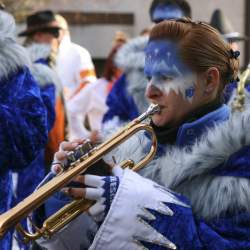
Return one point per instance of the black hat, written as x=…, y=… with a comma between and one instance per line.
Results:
x=40, y=21
x=223, y=25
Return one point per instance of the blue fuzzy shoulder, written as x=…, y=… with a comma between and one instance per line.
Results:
x=120, y=103
x=238, y=164
x=23, y=127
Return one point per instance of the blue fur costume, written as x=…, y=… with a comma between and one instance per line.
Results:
x=23, y=131
x=31, y=176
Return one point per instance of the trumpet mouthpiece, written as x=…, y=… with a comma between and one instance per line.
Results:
x=152, y=109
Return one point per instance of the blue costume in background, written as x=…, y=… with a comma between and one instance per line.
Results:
x=23, y=131
x=120, y=103
x=32, y=175
x=126, y=99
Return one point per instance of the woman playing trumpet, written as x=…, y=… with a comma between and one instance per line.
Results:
x=195, y=194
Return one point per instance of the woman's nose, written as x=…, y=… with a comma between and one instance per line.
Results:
x=152, y=91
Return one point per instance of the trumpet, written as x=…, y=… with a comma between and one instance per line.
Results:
x=54, y=223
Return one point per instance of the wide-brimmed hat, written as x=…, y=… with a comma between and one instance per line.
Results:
x=220, y=21
x=40, y=21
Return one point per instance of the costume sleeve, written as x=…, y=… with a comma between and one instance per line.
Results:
x=144, y=215
x=23, y=128
x=78, y=107
x=84, y=69
x=120, y=103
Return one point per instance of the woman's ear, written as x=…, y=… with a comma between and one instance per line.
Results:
x=212, y=81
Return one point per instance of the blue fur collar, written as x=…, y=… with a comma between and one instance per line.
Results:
x=190, y=132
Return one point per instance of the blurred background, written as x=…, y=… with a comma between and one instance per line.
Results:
x=93, y=23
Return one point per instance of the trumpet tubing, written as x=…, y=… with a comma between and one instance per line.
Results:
x=54, y=223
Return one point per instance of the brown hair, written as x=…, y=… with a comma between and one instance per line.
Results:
x=110, y=67
x=201, y=47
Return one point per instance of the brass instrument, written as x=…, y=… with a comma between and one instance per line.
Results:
x=66, y=214
x=239, y=101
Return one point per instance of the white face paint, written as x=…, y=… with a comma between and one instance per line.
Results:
x=183, y=85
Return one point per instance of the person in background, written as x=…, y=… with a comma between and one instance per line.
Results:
x=220, y=22
x=41, y=43
x=126, y=100
x=23, y=126
x=74, y=64
x=90, y=102
x=161, y=10
x=42, y=33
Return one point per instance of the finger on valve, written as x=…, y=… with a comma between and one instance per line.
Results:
x=60, y=157
x=69, y=146
x=76, y=193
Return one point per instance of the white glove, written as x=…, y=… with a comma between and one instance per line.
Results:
x=101, y=189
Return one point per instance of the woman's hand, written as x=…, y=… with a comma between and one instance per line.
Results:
x=61, y=160
x=101, y=189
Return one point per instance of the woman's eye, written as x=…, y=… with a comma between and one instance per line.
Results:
x=167, y=78
x=149, y=78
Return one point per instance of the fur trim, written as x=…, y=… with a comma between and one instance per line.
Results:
x=37, y=51
x=131, y=55
x=110, y=127
x=189, y=172
x=12, y=55
x=136, y=87
x=131, y=58
x=43, y=73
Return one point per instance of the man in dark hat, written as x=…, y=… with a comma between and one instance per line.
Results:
x=42, y=27
x=220, y=21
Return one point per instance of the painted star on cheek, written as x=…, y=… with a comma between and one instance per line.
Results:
x=189, y=93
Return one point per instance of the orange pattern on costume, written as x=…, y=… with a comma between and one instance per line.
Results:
x=57, y=133
x=84, y=74
x=87, y=73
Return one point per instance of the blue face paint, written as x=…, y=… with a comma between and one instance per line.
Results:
x=166, y=12
x=166, y=70
x=189, y=93
x=162, y=59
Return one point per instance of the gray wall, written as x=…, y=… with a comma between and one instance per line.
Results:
x=97, y=39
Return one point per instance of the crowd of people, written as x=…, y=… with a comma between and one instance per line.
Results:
x=194, y=194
